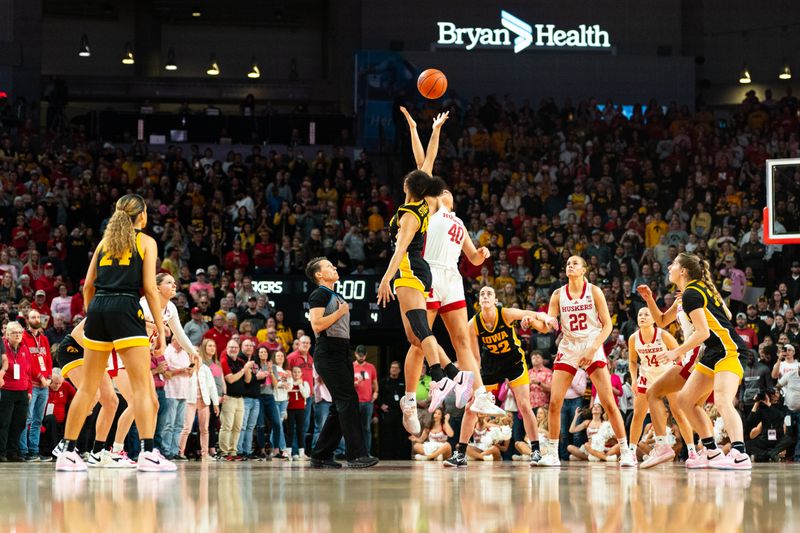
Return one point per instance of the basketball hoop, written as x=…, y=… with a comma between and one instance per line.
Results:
x=778, y=172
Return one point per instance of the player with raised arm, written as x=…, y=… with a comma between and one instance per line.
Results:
x=447, y=239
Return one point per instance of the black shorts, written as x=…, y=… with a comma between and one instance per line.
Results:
x=114, y=321
x=495, y=369
x=69, y=355
x=715, y=361
x=414, y=272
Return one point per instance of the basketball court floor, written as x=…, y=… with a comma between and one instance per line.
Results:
x=400, y=497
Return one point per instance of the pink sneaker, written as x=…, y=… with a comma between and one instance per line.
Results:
x=122, y=460
x=700, y=460
x=439, y=391
x=70, y=462
x=719, y=460
x=464, y=381
x=692, y=455
x=740, y=461
x=735, y=460
x=661, y=453
x=155, y=462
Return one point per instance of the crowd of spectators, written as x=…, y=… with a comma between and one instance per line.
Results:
x=535, y=184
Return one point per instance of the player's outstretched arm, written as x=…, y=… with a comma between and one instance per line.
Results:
x=416, y=143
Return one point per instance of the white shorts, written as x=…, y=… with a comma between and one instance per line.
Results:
x=645, y=380
x=447, y=290
x=430, y=446
x=569, y=353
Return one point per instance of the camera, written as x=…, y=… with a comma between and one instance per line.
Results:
x=760, y=397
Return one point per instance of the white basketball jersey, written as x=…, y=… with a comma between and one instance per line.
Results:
x=648, y=350
x=168, y=312
x=446, y=234
x=579, y=318
x=683, y=319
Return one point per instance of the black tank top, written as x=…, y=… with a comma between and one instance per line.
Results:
x=501, y=339
x=123, y=274
x=420, y=210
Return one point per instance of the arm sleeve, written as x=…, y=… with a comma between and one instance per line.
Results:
x=692, y=299
x=318, y=298
x=174, y=323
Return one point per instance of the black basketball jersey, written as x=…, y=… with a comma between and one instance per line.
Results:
x=69, y=348
x=723, y=337
x=420, y=210
x=121, y=274
x=499, y=339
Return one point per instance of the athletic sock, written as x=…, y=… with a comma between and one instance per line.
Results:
x=118, y=447
x=147, y=445
x=479, y=390
x=98, y=446
x=661, y=440
x=632, y=447
x=690, y=448
x=709, y=444
x=738, y=446
x=554, y=446
x=623, y=443
x=534, y=446
x=411, y=396
x=451, y=370
x=461, y=447
x=69, y=445
x=437, y=374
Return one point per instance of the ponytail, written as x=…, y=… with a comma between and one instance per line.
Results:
x=119, y=235
x=708, y=280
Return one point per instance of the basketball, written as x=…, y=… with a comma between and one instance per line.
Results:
x=432, y=83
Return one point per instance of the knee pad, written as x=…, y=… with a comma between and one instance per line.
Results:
x=418, y=320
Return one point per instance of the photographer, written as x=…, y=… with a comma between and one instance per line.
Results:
x=786, y=362
x=768, y=434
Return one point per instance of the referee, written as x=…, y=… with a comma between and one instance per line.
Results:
x=330, y=320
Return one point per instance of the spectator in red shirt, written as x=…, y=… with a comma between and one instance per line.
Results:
x=21, y=234
x=39, y=349
x=271, y=343
x=14, y=392
x=747, y=334
x=40, y=227
x=40, y=303
x=61, y=395
x=365, y=379
x=236, y=258
x=47, y=282
x=218, y=333
x=302, y=358
x=541, y=377
x=264, y=252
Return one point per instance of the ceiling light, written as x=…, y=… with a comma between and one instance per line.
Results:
x=213, y=68
x=786, y=72
x=255, y=72
x=171, y=65
x=744, y=77
x=197, y=13
x=83, y=49
x=127, y=59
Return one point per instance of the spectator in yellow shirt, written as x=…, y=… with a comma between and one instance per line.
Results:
x=654, y=229
x=701, y=221
x=486, y=235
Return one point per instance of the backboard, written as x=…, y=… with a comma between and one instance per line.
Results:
x=782, y=213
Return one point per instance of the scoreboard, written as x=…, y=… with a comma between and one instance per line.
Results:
x=289, y=293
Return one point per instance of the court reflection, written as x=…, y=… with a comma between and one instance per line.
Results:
x=399, y=497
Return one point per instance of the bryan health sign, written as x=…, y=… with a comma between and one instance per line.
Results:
x=541, y=35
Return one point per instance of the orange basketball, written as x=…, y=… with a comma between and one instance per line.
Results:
x=432, y=83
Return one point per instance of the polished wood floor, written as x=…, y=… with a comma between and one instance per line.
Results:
x=404, y=497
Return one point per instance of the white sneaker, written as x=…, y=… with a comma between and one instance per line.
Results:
x=484, y=404
x=439, y=391
x=59, y=449
x=70, y=462
x=120, y=460
x=520, y=458
x=549, y=459
x=295, y=458
x=420, y=457
x=95, y=460
x=628, y=459
x=155, y=462
x=302, y=454
x=410, y=417
x=489, y=458
x=464, y=381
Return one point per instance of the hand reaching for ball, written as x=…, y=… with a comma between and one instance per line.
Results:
x=440, y=119
x=411, y=123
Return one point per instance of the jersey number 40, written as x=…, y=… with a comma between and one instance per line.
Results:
x=456, y=233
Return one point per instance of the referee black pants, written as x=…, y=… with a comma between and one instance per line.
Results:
x=332, y=361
